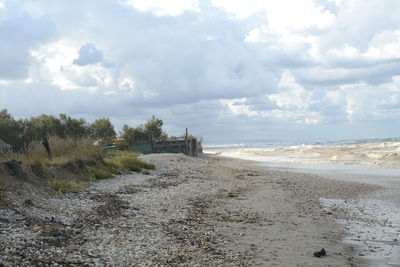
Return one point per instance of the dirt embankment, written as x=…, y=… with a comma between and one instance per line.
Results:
x=16, y=177
x=205, y=211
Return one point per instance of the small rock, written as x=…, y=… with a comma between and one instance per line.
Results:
x=37, y=229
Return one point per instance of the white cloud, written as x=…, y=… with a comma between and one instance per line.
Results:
x=59, y=61
x=220, y=64
x=127, y=84
x=210, y=38
x=283, y=16
x=384, y=46
x=337, y=2
x=261, y=35
x=165, y=8
x=239, y=9
x=2, y=6
x=292, y=94
x=239, y=107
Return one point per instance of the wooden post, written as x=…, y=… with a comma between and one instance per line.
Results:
x=47, y=146
x=186, y=142
x=195, y=147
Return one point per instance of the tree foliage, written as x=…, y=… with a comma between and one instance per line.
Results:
x=44, y=125
x=74, y=128
x=133, y=135
x=11, y=131
x=104, y=130
x=153, y=128
x=20, y=133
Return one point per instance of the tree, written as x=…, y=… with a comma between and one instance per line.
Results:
x=43, y=125
x=104, y=130
x=133, y=135
x=74, y=128
x=11, y=131
x=153, y=128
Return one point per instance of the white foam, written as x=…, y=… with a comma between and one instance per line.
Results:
x=372, y=155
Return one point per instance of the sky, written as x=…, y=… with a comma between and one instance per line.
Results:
x=225, y=69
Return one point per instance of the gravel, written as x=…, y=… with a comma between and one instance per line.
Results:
x=204, y=211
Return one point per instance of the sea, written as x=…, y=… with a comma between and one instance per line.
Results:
x=367, y=153
x=370, y=161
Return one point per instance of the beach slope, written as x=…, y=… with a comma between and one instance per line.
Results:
x=206, y=211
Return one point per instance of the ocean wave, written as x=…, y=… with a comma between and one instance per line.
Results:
x=377, y=153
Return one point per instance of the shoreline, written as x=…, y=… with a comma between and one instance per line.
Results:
x=208, y=210
x=374, y=219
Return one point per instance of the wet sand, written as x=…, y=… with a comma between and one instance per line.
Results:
x=375, y=222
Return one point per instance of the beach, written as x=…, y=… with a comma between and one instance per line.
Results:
x=191, y=211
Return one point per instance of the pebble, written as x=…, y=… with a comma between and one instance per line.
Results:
x=164, y=218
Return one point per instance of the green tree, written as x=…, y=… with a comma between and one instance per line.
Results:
x=153, y=128
x=11, y=131
x=104, y=130
x=133, y=135
x=74, y=128
x=44, y=125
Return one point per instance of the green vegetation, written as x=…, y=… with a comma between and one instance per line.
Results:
x=103, y=130
x=135, y=164
x=98, y=174
x=133, y=135
x=63, y=150
x=26, y=135
x=74, y=148
x=127, y=161
x=63, y=186
x=21, y=134
x=151, y=130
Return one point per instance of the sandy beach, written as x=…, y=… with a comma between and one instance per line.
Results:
x=204, y=211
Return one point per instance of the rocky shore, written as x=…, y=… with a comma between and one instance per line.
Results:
x=204, y=211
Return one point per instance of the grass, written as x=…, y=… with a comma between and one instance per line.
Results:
x=114, y=164
x=103, y=165
x=98, y=174
x=63, y=150
x=135, y=164
x=130, y=164
x=127, y=161
x=63, y=186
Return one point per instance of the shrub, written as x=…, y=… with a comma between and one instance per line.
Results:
x=63, y=187
x=98, y=174
x=63, y=150
x=121, y=144
x=113, y=163
x=135, y=164
x=130, y=163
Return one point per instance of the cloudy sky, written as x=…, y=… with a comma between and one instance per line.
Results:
x=225, y=69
